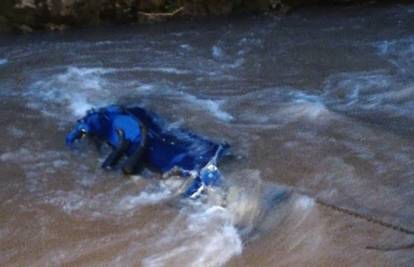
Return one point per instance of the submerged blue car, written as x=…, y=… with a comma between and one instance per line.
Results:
x=140, y=138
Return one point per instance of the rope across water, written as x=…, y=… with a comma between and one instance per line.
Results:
x=368, y=218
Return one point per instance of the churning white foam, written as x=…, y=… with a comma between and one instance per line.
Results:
x=217, y=52
x=202, y=237
x=82, y=88
x=280, y=105
x=186, y=46
x=201, y=234
x=374, y=92
x=22, y=154
x=79, y=89
x=166, y=70
x=212, y=106
x=79, y=105
x=145, y=88
x=146, y=197
x=398, y=52
x=307, y=110
x=15, y=132
x=360, y=89
x=305, y=202
x=304, y=106
x=227, y=61
x=383, y=47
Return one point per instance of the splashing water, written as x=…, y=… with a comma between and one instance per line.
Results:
x=309, y=102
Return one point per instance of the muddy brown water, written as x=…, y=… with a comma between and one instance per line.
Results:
x=319, y=102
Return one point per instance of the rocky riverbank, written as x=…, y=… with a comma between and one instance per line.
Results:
x=29, y=15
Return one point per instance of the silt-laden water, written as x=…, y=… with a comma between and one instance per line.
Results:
x=318, y=107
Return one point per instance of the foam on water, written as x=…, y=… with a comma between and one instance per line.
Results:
x=207, y=234
x=23, y=154
x=79, y=105
x=237, y=63
x=303, y=108
x=37, y=166
x=204, y=233
x=281, y=105
x=364, y=93
x=146, y=88
x=201, y=234
x=305, y=202
x=167, y=70
x=383, y=47
x=206, y=237
x=381, y=95
x=80, y=201
x=79, y=89
x=398, y=52
x=356, y=89
x=352, y=87
x=217, y=52
x=82, y=88
x=15, y=131
x=113, y=202
x=212, y=106
x=146, y=197
x=178, y=78
x=226, y=61
x=186, y=46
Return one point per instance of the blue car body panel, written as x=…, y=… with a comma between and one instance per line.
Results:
x=168, y=148
x=161, y=147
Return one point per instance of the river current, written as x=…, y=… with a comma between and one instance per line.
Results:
x=318, y=107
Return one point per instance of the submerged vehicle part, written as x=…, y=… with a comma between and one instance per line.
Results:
x=139, y=138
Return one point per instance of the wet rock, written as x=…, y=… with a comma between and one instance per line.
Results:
x=25, y=28
x=59, y=14
x=56, y=27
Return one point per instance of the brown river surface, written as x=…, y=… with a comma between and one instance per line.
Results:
x=318, y=107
